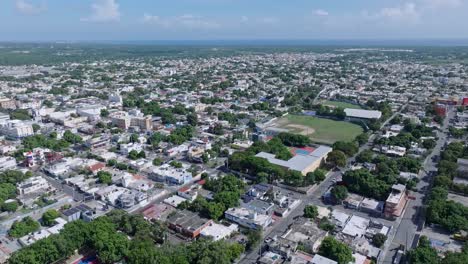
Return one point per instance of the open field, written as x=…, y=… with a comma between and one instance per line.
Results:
x=341, y=104
x=320, y=130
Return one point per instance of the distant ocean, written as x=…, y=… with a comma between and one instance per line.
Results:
x=331, y=42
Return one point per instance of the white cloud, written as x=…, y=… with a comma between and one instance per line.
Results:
x=320, y=12
x=268, y=20
x=244, y=19
x=407, y=12
x=147, y=18
x=29, y=9
x=104, y=11
x=184, y=21
x=437, y=4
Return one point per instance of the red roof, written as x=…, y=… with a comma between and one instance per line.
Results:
x=201, y=182
x=184, y=189
x=97, y=166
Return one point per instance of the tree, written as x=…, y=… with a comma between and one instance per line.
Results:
x=379, y=240
x=205, y=157
x=311, y=211
x=20, y=114
x=336, y=250
x=36, y=127
x=365, y=156
x=104, y=177
x=157, y=162
x=362, y=139
x=69, y=137
x=228, y=198
x=339, y=113
x=215, y=210
x=336, y=158
x=320, y=175
x=48, y=218
x=48, y=103
x=349, y=148
x=423, y=254
x=25, y=226
x=134, y=138
x=294, y=178
x=192, y=119
x=326, y=225
x=294, y=140
x=429, y=143
x=254, y=237
x=107, y=236
x=104, y=112
x=339, y=192
x=10, y=207
x=217, y=129
x=133, y=155
x=110, y=245
x=7, y=191
x=363, y=182
x=262, y=177
x=176, y=164
x=111, y=162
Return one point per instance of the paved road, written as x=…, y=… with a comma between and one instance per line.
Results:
x=412, y=221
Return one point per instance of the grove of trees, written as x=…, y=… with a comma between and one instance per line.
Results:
x=107, y=235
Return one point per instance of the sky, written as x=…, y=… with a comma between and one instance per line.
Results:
x=136, y=20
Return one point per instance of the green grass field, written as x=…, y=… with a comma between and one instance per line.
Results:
x=342, y=104
x=322, y=130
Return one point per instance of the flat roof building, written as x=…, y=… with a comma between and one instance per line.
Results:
x=396, y=201
x=248, y=218
x=218, y=231
x=188, y=223
x=301, y=163
x=317, y=259
x=362, y=114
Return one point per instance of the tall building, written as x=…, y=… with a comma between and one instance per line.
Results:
x=120, y=119
x=396, y=201
x=16, y=129
x=144, y=122
x=123, y=120
x=7, y=103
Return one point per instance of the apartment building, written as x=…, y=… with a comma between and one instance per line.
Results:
x=396, y=201
x=6, y=103
x=32, y=185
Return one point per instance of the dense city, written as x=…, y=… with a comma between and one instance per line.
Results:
x=324, y=156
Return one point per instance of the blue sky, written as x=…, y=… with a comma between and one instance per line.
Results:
x=72, y=20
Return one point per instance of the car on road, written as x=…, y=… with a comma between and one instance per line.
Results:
x=398, y=257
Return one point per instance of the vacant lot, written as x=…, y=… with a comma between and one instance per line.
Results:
x=319, y=129
x=342, y=104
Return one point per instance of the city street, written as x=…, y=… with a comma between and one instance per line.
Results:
x=315, y=198
x=412, y=221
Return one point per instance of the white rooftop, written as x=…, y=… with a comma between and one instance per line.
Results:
x=340, y=216
x=218, y=231
x=361, y=113
x=356, y=226
x=317, y=259
x=298, y=162
x=174, y=200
